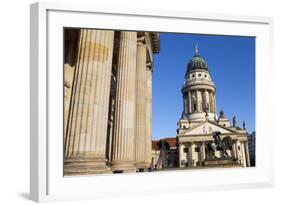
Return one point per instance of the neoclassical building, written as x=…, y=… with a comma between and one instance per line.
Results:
x=199, y=122
x=107, y=100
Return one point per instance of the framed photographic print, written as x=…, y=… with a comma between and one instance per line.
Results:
x=128, y=102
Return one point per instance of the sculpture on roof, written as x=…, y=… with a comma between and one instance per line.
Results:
x=244, y=125
x=234, y=121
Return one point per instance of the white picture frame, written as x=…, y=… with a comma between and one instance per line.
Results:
x=46, y=177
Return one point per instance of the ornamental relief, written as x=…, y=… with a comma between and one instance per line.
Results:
x=207, y=129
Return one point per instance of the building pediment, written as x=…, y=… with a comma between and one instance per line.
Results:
x=208, y=127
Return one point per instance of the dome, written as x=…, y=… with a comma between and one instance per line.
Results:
x=197, y=63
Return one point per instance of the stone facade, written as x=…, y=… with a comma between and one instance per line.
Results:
x=107, y=100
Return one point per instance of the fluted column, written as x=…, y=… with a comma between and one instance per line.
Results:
x=148, y=114
x=123, y=153
x=85, y=139
x=141, y=110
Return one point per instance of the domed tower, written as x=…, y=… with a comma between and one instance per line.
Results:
x=199, y=93
x=199, y=124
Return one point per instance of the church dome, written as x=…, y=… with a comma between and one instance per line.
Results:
x=197, y=63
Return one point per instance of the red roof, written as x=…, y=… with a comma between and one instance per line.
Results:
x=171, y=141
x=155, y=145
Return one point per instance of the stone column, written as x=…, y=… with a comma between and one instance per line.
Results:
x=148, y=115
x=243, y=154
x=203, y=154
x=215, y=108
x=181, y=153
x=247, y=154
x=141, y=111
x=123, y=153
x=211, y=102
x=207, y=99
x=191, y=153
x=85, y=139
x=198, y=101
x=203, y=100
x=189, y=102
x=234, y=150
x=237, y=151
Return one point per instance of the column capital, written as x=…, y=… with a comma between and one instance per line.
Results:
x=149, y=66
x=190, y=143
x=141, y=41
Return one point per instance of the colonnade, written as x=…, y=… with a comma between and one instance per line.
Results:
x=87, y=133
x=198, y=100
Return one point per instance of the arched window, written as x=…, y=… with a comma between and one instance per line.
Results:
x=194, y=107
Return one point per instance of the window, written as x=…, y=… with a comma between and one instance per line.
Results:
x=199, y=75
x=197, y=163
x=185, y=150
x=197, y=149
x=205, y=76
x=238, y=147
x=194, y=107
x=182, y=162
x=193, y=76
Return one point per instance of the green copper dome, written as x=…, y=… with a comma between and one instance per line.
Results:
x=197, y=63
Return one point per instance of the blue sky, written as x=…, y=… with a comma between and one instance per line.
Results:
x=231, y=62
